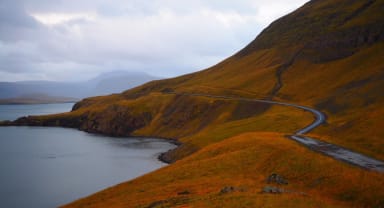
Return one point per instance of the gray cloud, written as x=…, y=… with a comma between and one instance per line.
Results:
x=70, y=39
x=14, y=21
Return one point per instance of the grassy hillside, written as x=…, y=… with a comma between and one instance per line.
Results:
x=327, y=54
x=244, y=162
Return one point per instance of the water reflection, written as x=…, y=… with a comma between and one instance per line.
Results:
x=47, y=167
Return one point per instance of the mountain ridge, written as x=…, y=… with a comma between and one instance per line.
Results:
x=104, y=84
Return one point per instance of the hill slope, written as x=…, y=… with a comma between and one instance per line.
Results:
x=327, y=54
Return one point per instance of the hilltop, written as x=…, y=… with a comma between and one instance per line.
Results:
x=327, y=54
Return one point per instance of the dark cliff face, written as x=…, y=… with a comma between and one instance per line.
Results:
x=114, y=120
x=178, y=116
x=324, y=30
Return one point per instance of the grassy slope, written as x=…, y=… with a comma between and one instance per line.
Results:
x=354, y=101
x=244, y=162
x=327, y=54
x=331, y=56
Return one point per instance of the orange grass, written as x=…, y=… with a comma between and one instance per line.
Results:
x=244, y=162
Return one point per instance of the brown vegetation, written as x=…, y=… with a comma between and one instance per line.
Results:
x=244, y=162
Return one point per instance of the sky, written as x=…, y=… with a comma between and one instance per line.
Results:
x=73, y=40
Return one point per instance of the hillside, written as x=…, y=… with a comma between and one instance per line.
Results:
x=327, y=54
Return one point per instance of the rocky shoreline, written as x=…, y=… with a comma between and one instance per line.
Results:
x=164, y=157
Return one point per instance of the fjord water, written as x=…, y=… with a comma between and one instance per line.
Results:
x=12, y=112
x=48, y=166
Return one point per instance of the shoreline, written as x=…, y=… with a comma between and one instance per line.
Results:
x=34, y=102
x=148, y=148
x=162, y=157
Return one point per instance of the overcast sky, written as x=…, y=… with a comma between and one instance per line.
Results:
x=78, y=39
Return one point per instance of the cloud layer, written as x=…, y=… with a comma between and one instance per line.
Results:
x=73, y=40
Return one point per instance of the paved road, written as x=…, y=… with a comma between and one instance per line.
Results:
x=332, y=150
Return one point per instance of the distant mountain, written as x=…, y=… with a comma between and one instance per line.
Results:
x=117, y=81
x=107, y=83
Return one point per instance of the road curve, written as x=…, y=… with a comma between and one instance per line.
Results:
x=332, y=150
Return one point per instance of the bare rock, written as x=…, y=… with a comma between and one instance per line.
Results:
x=186, y=192
x=272, y=190
x=276, y=178
x=230, y=189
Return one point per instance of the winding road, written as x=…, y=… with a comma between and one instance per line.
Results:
x=332, y=150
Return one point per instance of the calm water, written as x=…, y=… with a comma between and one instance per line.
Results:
x=12, y=112
x=47, y=167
